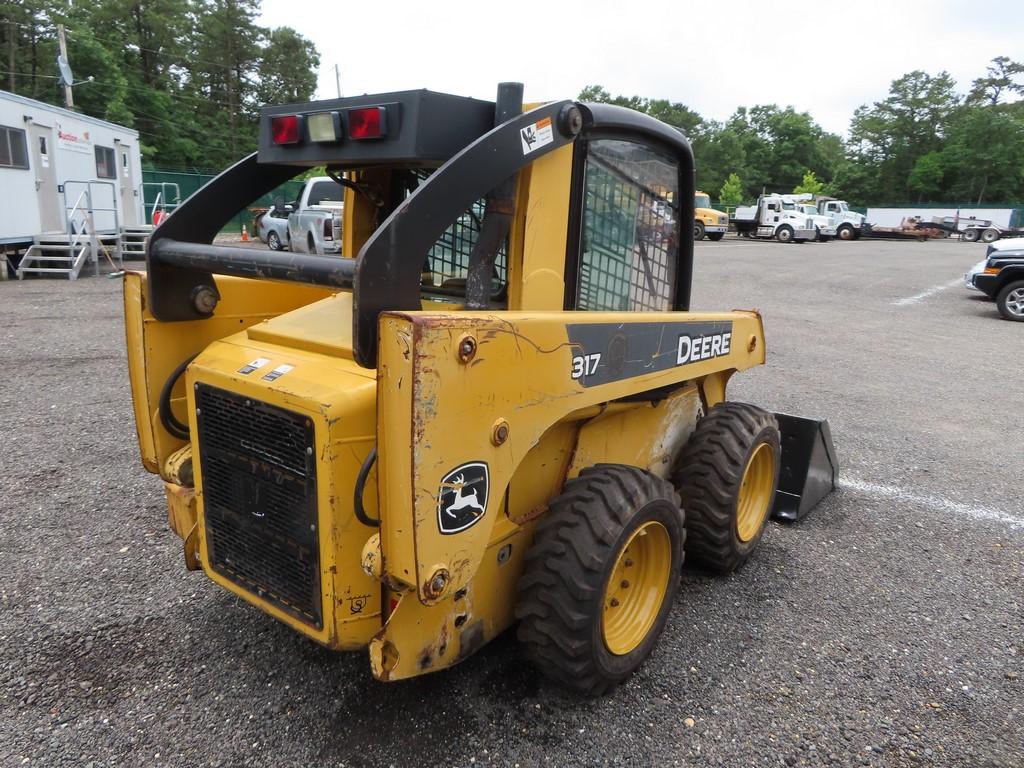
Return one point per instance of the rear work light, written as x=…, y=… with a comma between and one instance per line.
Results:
x=367, y=123
x=324, y=127
x=286, y=129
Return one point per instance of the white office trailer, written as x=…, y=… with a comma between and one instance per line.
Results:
x=70, y=187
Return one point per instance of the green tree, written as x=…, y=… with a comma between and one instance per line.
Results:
x=911, y=121
x=856, y=180
x=718, y=152
x=732, y=191
x=1005, y=77
x=926, y=176
x=984, y=155
x=780, y=145
x=287, y=68
x=809, y=185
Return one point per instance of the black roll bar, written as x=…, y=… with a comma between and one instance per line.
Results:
x=386, y=274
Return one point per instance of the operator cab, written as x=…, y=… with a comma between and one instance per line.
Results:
x=631, y=186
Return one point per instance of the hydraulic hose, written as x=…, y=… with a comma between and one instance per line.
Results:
x=357, y=500
x=167, y=417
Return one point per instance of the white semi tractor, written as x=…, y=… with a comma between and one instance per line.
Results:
x=775, y=216
x=849, y=225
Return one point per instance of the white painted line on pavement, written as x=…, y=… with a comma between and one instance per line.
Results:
x=927, y=294
x=934, y=503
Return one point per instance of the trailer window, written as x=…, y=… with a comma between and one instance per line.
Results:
x=629, y=242
x=13, y=148
x=105, y=165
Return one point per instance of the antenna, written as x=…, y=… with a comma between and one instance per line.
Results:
x=64, y=67
x=66, y=78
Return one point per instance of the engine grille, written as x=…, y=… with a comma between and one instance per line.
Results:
x=258, y=468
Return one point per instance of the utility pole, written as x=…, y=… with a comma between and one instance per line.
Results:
x=69, y=100
x=337, y=80
x=12, y=48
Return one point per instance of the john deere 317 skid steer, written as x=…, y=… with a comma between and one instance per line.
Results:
x=495, y=407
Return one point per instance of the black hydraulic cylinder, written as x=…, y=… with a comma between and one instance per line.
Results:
x=251, y=262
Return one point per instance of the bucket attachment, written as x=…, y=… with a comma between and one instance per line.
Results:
x=809, y=467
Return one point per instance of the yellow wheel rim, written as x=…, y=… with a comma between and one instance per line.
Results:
x=755, y=492
x=636, y=588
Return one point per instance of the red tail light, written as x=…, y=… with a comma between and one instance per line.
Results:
x=285, y=129
x=367, y=123
x=329, y=228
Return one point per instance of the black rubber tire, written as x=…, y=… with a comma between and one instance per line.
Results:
x=784, y=234
x=698, y=230
x=989, y=235
x=715, y=236
x=1001, y=299
x=708, y=474
x=846, y=232
x=575, y=547
x=273, y=241
x=311, y=244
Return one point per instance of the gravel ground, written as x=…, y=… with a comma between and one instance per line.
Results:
x=884, y=630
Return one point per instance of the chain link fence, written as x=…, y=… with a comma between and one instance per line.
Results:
x=160, y=187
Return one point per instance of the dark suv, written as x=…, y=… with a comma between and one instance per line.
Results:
x=1002, y=279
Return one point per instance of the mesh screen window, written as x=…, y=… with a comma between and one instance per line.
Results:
x=630, y=237
x=447, y=262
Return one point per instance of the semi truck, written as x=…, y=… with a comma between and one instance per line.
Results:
x=774, y=216
x=849, y=224
x=825, y=227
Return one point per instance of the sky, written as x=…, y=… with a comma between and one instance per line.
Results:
x=826, y=58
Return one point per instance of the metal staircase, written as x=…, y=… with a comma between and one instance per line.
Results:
x=66, y=253
x=133, y=241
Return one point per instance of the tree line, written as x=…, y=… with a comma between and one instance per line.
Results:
x=924, y=142
x=189, y=75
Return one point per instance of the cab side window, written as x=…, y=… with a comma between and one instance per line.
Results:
x=629, y=239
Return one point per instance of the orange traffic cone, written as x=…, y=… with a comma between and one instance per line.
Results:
x=245, y=234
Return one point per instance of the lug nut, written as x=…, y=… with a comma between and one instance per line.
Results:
x=614, y=603
x=624, y=584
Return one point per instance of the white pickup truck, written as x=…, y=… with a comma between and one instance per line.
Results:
x=314, y=222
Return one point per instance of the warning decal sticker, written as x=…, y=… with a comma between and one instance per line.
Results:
x=253, y=365
x=278, y=372
x=536, y=136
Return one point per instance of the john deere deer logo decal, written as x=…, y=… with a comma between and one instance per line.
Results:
x=462, y=497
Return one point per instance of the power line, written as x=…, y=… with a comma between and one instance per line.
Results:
x=170, y=94
x=180, y=126
x=26, y=74
x=49, y=30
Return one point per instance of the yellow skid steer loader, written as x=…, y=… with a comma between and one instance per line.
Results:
x=493, y=408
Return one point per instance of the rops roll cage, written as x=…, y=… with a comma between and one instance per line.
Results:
x=385, y=276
